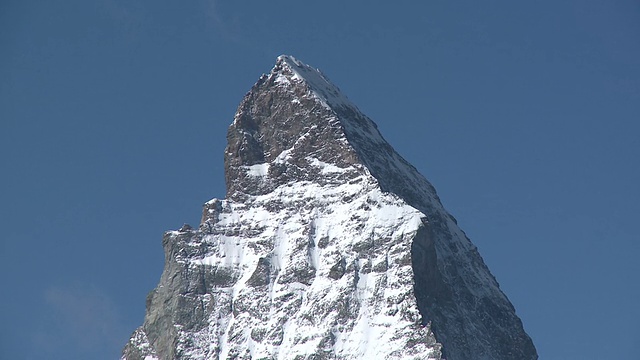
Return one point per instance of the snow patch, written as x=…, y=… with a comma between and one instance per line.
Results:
x=258, y=170
x=325, y=168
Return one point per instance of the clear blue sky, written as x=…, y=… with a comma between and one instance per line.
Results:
x=113, y=113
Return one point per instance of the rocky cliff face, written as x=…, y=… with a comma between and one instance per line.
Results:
x=329, y=245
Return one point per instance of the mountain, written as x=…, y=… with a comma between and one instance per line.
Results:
x=329, y=245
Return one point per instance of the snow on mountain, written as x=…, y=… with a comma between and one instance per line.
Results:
x=329, y=245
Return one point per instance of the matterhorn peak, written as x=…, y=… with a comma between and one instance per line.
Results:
x=329, y=245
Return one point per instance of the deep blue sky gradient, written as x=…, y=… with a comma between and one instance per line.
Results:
x=113, y=116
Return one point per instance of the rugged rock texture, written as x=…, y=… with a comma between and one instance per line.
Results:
x=328, y=246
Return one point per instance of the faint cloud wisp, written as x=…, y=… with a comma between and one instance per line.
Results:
x=227, y=30
x=81, y=319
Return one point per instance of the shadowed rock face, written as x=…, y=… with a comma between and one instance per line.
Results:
x=328, y=246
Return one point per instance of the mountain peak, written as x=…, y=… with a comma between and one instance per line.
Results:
x=297, y=110
x=329, y=245
x=287, y=124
